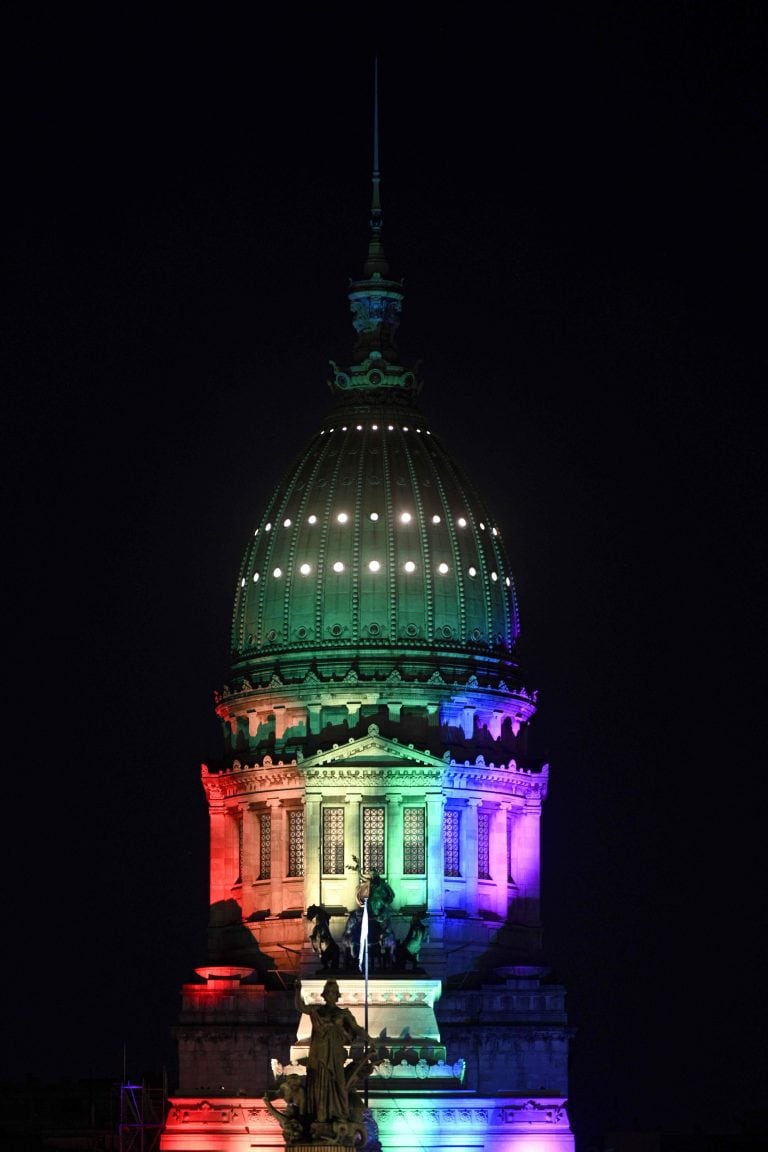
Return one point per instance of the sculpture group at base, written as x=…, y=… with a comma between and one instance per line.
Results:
x=324, y=1107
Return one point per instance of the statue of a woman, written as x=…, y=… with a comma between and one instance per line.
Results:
x=333, y=1028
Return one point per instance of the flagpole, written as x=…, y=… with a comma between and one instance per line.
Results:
x=364, y=958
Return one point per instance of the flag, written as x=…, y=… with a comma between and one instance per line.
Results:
x=364, y=934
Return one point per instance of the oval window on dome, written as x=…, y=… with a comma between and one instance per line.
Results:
x=277, y=573
x=255, y=577
x=374, y=516
x=373, y=565
x=242, y=582
x=302, y=633
x=482, y=526
x=446, y=631
x=405, y=518
x=271, y=636
x=305, y=569
x=494, y=532
x=336, y=630
x=507, y=581
x=435, y=519
x=461, y=522
x=338, y=566
x=312, y=519
x=267, y=527
x=374, y=629
x=442, y=569
x=472, y=570
x=409, y=566
x=494, y=576
x=342, y=517
x=287, y=522
x=412, y=630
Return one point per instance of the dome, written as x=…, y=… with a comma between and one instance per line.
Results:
x=375, y=563
x=376, y=544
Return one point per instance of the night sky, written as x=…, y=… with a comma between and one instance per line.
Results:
x=575, y=198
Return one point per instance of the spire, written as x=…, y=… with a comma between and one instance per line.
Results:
x=375, y=302
x=376, y=264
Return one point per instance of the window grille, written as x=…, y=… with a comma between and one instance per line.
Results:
x=451, y=843
x=484, y=845
x=295, y=841
x=414, y=842
x=333, y=841
x=265, y=845
x=373, y=840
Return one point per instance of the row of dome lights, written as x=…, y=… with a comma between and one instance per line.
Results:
x=374, y=428
x=375, y=566
x=405, y=518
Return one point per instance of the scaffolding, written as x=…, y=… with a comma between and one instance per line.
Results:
x=142, y=1113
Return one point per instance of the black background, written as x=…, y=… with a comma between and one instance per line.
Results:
x=575, y=198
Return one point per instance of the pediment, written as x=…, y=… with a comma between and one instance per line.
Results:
x=372, y=749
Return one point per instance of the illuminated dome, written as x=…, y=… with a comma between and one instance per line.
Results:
x=374, y=559
x=374, y=547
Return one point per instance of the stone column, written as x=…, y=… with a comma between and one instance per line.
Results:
x=278, y=855
x=221, y=882
x=528, y=837
x=312, y=881
x=353, y=845
x=435, y=858
x=249, y=855
x=497, y=852
x=394, y=819
x=469, y=838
